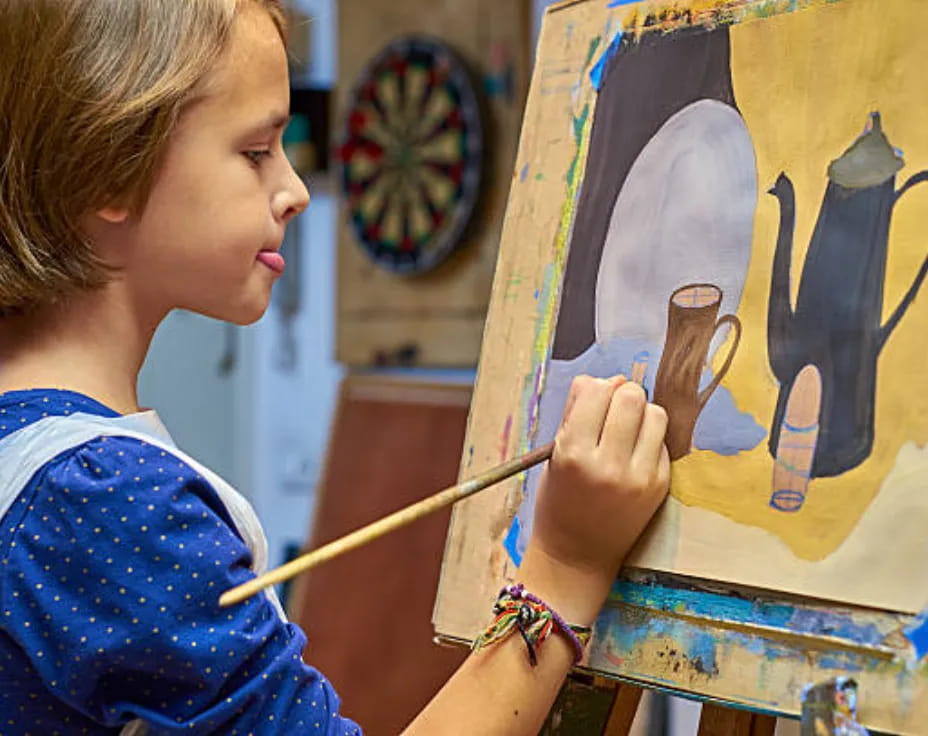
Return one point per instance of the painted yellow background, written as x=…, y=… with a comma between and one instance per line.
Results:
x=805, y=83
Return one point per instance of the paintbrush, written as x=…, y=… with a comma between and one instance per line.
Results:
x=387, y=524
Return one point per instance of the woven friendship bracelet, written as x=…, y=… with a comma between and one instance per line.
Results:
x=518, y=610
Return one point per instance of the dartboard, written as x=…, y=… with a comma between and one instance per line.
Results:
x=412, y=155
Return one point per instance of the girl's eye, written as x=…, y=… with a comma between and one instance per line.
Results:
x=256, y=155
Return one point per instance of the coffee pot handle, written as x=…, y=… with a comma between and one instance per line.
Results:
x=905, y=303
x=707, y=392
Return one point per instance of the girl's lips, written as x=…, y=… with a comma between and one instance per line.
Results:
x=273, y=260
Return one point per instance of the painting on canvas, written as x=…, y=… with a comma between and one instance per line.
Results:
x=747, y=241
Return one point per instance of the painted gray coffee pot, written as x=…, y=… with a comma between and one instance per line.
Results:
x=836, y=324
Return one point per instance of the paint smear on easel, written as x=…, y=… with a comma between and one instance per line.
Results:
x=671, y=15
x=917, y=634
x=546, y=300
x=553, y=275
x=646, y=592
x=596, y=73
x=504, y=439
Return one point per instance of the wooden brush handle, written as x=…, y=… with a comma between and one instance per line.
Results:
x=387, y=524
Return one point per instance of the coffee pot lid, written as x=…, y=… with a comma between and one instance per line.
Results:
x=870, y=160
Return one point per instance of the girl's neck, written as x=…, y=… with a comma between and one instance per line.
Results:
x=94, y=344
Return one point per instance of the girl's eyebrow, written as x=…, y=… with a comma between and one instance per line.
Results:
x=271, y=124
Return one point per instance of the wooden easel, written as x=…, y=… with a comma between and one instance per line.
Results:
x=749, y=646
x=607, y=708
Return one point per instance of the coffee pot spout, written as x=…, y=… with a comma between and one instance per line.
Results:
x=780, y=311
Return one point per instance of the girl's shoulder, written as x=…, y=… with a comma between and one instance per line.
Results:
x=121, y=515
x=105, y=485
x=114, y=480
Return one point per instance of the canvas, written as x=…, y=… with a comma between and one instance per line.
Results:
x=725, y=201
x=745, y=238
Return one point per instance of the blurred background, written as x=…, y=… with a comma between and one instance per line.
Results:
x=349, y=399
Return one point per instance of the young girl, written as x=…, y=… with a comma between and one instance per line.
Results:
x=142, y=171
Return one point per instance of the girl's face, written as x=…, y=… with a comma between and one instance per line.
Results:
x=207, y=238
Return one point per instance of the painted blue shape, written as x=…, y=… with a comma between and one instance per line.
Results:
x=917, y=633
x=599, y=68
x=511, y=543
x=617, y=3
x=722, y=428
x=523, y=175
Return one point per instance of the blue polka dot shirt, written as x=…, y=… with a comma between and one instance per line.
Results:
x=113, y=558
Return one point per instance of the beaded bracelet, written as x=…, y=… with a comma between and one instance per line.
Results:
x=534, y=619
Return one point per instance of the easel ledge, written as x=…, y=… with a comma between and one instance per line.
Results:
x=656, y=631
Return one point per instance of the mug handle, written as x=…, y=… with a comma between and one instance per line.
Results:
x=710, y=389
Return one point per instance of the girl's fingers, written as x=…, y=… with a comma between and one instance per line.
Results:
x=586, y=409
x=623, y=422
x=663, y=467
x=649, y=446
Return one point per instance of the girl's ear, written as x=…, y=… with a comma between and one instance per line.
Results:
x=113, y=215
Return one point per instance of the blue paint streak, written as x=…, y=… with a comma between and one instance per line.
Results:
x=617, y=3
x=822, y=623
x=741, y=610
x=917, y=633
x=596, y=73
x=511, y=542
x=843, y=664
x=702, y=653
x=524, y=173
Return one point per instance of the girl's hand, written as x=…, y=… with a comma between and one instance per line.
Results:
x=609, y=473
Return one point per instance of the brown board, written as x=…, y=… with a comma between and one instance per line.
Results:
x=435, y=318
x=367, y=614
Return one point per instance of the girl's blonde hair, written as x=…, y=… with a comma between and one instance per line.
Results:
x=90, y=91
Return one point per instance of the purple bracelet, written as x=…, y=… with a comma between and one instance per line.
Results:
x=518, y=592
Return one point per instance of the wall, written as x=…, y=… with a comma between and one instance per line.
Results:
x=181, y=380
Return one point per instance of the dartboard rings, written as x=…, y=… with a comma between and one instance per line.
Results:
x=411, y=155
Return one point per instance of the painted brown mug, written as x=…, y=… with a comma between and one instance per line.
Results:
x=692, y=321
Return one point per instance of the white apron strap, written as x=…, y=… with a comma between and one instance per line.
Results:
x=24, y=452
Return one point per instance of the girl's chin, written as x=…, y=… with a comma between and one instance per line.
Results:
x=245, y=312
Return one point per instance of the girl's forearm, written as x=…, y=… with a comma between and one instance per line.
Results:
x=496, y=692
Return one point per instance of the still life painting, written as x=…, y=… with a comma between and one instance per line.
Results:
x=745, y=237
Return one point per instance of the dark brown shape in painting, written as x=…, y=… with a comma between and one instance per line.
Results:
x=691, y=323
x=643, y=85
